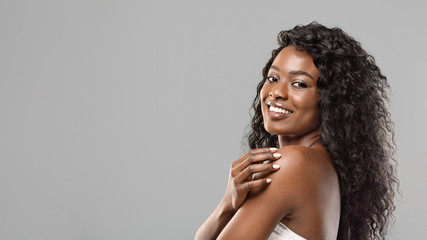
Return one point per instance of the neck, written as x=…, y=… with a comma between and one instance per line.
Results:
x=306, y=140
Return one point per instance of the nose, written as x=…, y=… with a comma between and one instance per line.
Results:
x=280, y=90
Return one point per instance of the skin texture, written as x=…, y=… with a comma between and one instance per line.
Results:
x=304, y=194
x=258, y=162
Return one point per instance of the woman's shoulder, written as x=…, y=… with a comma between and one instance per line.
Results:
x=309, y=177
x=300, y=156
x=304, y=167
x=304, y=152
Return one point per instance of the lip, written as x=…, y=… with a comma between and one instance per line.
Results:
x=276, y=115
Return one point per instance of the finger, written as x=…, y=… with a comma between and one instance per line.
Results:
x=252, y=152
x=247, y=186
x=259, y=175
x=255, y=168
x=258, y=158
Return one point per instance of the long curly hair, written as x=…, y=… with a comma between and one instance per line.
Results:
x=355, y=126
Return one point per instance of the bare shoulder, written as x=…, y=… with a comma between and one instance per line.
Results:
x=303, y=158
x=309, y=178
x=290, y=193
x=303, y=172
x=304, y=169
x=302, y=152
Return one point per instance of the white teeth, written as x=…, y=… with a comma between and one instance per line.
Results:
x=279, y=110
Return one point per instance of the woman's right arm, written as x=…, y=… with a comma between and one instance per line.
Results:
x=240, y=183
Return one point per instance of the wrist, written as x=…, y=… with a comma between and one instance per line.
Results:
x=225, y=206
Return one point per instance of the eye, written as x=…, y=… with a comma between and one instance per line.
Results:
x=299, y=84
x=272, y=79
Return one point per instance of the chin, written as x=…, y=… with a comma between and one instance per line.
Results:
x=293, y=132
x=275, y=131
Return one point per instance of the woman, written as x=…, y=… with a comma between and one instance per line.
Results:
x=322, y=103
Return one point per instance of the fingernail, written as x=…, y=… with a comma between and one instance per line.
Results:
x=268, y=180
x=275, y=166
x=277, y=155
x=273, y=149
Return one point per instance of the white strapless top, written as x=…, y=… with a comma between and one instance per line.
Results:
x=281, y=232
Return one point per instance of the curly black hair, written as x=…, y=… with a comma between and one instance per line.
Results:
x=355, y=126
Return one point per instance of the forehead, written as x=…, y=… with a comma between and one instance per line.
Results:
x=290, y=59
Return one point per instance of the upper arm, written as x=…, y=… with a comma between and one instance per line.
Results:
x=260, y=213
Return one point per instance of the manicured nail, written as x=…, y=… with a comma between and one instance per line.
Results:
x=277, y=155
x=268, y=180
x=276, y=166
x=273, y=149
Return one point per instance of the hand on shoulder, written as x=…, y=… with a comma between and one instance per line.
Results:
x=302, y=169
x=289, y=185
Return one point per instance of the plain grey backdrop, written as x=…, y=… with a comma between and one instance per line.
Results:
x=119, y=119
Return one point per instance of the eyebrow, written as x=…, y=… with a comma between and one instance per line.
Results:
x=294, y=72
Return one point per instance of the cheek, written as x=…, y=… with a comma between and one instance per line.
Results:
x=264, y=92
x=313, y=108
x=308, y=101
x=308, y=105
x=263, y=95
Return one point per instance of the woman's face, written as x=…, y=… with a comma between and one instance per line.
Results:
x=289, y=97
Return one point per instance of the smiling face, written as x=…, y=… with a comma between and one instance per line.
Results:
x=289, y=97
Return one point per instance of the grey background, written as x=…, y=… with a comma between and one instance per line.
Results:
x=118, y=119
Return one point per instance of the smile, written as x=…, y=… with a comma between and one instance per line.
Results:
x=279, y=110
